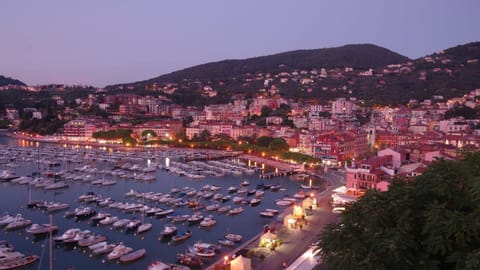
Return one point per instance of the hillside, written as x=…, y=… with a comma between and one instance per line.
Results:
x=374, y=74
x=9, y=81
x=357, y=56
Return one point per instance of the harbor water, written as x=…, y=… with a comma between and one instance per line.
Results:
x=14, y=199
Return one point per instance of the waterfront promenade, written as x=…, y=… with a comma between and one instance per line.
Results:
x=294, y=241
x=282, y=166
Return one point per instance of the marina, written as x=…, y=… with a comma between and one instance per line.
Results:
x=91, y=210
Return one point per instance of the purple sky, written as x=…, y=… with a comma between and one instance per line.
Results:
x=110, y=41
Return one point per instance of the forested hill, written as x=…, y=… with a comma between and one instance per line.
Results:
x=367, y=72
x=362, y=56
x=9, y=81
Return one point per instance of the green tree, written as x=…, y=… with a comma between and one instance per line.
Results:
x=264, y=141
x=430, y=223
x=205, y=135
x=149, y=132
x=266, y=111
x=278, y=144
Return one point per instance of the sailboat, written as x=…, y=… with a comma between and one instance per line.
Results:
x=144, y=226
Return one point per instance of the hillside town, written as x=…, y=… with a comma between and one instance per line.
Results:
x=374, y=143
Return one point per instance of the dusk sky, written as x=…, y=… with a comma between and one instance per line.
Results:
x=107, y=42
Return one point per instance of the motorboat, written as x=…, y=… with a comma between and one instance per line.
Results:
x=164, y=213
x=208, y=222
x=6, y=219
x=118, y=252
x=39, y=229
x=195, y=218
x=78, y=236
x=107, y=248
x=91, y=240
x=233, y=237
x=68, y=234
x=226, y=242
x=19, y=262
x=85, y=212
x=189, y=259
x=158, y=265
x=245, y=183
x=57, y=207
x=181, y=236
x=18, y=223
x=144, y=227
x=202, y=252
x=133, y=256
x=168, y=231
x=212, y=207
x=232, y=189
x=108, y=220
x=255, y=201
x=224, y=209
x=236, y=211
x=133, y=224
x=180, y=218
x=99, y=216
x=121, y=223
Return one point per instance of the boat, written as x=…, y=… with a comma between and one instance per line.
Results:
x=99, y=216
x=238, y=199
x=224, y=209
x=300, y=195
x=133, y=224
x=70, y=233
x=6, y=219
x=153, y=210
x=232, y=189
x=108, y=220
x=37, y=229
x=57, y=207
x=20, y=222
x=78, y=236
x=226, y=198
x=307, y=187
x=85, y=212
x=168, y=231
x=202, y=252
x=144, y=227
x=158, y=265
x=208, y=222
x=121, y=223
x=118, y=252
x=259, y=193
x=251, y=192
x=195, y=218
x=19, y=262
x=133, y=256
x=233, y=237
x=97, y=245
x=180, y=218
x=189, y=259
x=226, y=242
x=245, y=183
x=284, y=203
x=91, y=240
x=267, y=214
x=56, y=185
x=182, y=236
x=255, y=201
x=236, y=211
x=212, y=207
x=164, y=213
x=107, y=248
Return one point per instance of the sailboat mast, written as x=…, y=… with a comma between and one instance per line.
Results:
x=51, y=249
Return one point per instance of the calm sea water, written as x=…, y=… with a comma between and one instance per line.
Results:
x=14, y=197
